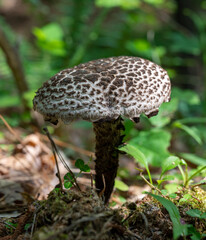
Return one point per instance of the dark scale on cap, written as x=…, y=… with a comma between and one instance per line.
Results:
x=54, y=84
x=78, y=72
x=92, y=77
x=123, y=70
x=65, y=81
x=78, y=86
x=131, y=74
x=113, y=72
x=104, y=89
x=118, y=83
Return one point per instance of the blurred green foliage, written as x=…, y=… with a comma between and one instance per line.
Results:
x=50, y=39
x=66, y=33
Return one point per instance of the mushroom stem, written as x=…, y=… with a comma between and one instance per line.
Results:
x=108, y=138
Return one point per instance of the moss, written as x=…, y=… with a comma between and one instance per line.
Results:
x=83, y=215
x=73, y=215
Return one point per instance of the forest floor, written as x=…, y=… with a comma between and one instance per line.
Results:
x=32, y=208
x=82, y=215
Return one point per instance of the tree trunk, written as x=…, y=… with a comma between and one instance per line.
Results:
x=15, y=65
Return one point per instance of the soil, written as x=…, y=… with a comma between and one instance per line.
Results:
x=82, y=215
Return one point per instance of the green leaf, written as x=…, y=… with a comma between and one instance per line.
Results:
x=185, y=198
x=28, y=96
x=153, y=144
x=7, y=101
x=129, y=127
x=79, y=163
x=165, y=114
x=138, y=156
x=192, y=131
x=168, y=178
x=193, y=120
x=193, y=158
x=140, y=46
x=165, y=178
x=129, y=4
x=197, y=172
x=122, y=199
x=196, y=213
x=172, y=187
x=27, y=226
x=121, y=185
x=173, y=195
x=10, y=223
x=82, y=166
x=164, y=192
x=169, y=163
x=69, y=177
x=67, y=184
x=178, y=228
x=50, y=38
x=188, y=96
x=136, y=153
x=155, y=2
x=195, y=235
x=181, y=43
x=50, y=32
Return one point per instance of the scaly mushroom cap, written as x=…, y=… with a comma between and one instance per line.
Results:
x=104, y=89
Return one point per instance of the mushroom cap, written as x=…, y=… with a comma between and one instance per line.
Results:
x=104, y=89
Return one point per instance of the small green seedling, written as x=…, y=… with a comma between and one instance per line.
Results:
x=69, y=177
x=170, y=163
x=178, y=228
x=68, y=180
x=82, y=166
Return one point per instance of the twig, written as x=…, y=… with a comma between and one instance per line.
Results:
x=34, y=220
x=196, y=199
x=67, y=145
x=198, y=184
x=8, y=224
x=57, y=165
x=92, y=186
x=20, y=141
x=104, y=183
x=131, y=214
x=21, y=223
x=55, y=150
x=10, y=128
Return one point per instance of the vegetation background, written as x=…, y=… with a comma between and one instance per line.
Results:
x=38, y=38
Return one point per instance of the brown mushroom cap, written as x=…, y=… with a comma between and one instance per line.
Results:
x=104, y=89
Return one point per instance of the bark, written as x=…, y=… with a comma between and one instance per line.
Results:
x=15, y=65
x=108, y=138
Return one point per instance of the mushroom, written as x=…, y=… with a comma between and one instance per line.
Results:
x=102, y=91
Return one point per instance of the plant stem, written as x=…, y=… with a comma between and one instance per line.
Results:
x=182, y=173
x=194, y=174
x=151, y=185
